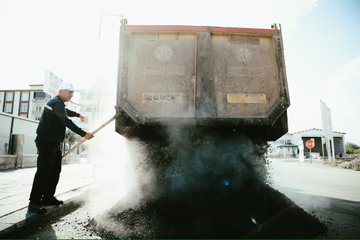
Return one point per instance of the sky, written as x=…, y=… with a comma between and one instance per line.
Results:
x=77, y=40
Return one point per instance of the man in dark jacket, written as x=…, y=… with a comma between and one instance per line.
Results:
x=50, y=133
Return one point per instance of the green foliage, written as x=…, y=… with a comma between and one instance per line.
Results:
x=70, y=137
x=352, y=148
x=69, y=140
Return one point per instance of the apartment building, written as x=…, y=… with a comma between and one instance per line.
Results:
x=27, y=103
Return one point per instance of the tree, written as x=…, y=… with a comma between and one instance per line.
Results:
x=352, y=148
x=69, y=139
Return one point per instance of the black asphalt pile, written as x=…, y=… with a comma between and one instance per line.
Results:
x=255, y=211
x=209, y=187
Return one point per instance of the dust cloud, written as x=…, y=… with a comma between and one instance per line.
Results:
x=114, y=159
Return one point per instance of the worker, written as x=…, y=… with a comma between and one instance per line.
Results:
x=50, y=133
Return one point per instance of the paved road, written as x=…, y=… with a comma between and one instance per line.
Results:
x=330, y=193
x=16, y=184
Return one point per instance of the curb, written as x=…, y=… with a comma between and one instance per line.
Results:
x=15, y=223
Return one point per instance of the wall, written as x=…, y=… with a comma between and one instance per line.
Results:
x=21, y=125
x=29, y=160
x=7, y=161
x=28, y=128
x=284, y=152
x=5, y=123
x=339, y=146
x=1, y=101
x=16, y=103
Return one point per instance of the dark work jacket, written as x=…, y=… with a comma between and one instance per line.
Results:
x=54, y=120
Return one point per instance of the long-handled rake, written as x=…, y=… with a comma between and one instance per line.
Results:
x=84, y=139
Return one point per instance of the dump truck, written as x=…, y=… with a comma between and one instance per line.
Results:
x=202, y=78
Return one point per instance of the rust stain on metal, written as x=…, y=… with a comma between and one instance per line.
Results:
x=246, y=98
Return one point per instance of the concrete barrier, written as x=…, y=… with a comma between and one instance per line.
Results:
x=7, y=161
x=30, y=160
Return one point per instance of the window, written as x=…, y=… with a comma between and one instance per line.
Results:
x=9, y=96
x=38, y=109
x=25, y=96
x=39, y=95
x=23, y=107
x=8, y=107
x=23, y=115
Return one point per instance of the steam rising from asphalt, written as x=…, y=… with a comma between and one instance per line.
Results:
x=114, y=170
x=114, y=158
x=181, y=167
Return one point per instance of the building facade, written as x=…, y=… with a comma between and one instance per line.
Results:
x=21, y=109
x=27, y=103
x=290, y=144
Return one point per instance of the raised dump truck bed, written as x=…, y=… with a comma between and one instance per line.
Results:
x=203, y=77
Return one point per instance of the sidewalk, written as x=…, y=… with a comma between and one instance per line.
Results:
x=15, y=187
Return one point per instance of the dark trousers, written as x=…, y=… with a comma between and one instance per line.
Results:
x=48, y=170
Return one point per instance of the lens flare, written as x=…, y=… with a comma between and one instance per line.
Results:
x=253, y=220
x=226, y=183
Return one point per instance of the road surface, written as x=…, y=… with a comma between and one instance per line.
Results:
x=330, y=193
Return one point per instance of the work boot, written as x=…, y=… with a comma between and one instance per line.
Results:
x=36, y=207
x=47, y=201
